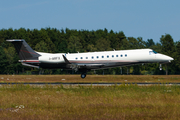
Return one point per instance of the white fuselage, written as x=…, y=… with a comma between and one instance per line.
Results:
x=105, y=59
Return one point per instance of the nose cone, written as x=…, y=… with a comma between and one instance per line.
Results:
x=170, y=58
x=167, y=58
x=163, y=58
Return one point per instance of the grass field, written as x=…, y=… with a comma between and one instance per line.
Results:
x=115, y=102
x=90, y=78
x=85, y=103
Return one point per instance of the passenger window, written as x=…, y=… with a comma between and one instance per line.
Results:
x=102, y=56
x=97, y=56
x=92, y=57
x=121, y=55
x=125, y=55
x=76, y=58
x=81, y=57
x=86, y=57
x=107, y=56
x=116, y=55
x=112, y=55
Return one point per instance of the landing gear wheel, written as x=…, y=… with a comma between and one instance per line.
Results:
x=83, y=75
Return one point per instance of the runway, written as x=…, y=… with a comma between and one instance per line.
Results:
x=89, y=84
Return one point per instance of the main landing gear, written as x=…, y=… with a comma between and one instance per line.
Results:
x=83, y=75
x=83, y=72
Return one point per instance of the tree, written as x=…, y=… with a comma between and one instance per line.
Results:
x=167, y=43
x=133, y=43
x=150, y=43
x=3, y=61
x=10, y=53
x=136, y=69
x=178, y=56
x=74, y=44
x=118, y=41
x=41, y=47
x=168, y=48
x=91, y=48
x=103, y=44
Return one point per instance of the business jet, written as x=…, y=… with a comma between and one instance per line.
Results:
x=87, y=61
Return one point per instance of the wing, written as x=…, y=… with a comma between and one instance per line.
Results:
x=77, y=66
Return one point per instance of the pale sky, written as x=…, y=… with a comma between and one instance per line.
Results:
x=148, y=19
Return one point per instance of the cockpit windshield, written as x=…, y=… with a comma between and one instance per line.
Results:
x=152, y=52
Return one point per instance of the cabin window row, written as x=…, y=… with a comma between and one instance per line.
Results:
x=103, y=56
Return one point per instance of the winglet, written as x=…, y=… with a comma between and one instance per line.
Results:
x=66, y=60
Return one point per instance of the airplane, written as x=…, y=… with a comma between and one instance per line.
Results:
x=87, y=61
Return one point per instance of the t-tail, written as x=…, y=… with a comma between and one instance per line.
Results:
x=24, y=51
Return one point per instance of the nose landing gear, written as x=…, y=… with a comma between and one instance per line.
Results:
x=160, y=67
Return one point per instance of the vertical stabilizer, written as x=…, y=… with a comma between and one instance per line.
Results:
x=24, y=51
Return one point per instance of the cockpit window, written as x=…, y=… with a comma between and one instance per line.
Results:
x=155, y=52
x=152, y=52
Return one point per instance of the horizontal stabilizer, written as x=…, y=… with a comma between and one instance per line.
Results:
x=30, y=65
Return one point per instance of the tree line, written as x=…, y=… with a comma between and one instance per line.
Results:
x=53, y=40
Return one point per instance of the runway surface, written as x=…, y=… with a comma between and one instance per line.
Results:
x=91, y=84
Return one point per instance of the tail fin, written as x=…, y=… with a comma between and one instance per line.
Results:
x=24, y=51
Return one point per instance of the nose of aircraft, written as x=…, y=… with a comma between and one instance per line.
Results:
x=161, y=57
x=170, y=58
x=165, y=57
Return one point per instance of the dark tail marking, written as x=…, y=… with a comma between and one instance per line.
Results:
x=24, y=51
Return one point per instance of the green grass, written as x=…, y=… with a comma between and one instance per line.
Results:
x=115, y=102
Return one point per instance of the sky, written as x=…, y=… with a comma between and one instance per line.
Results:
x=149, y=19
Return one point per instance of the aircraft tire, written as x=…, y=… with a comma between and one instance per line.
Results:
x=83, y=75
